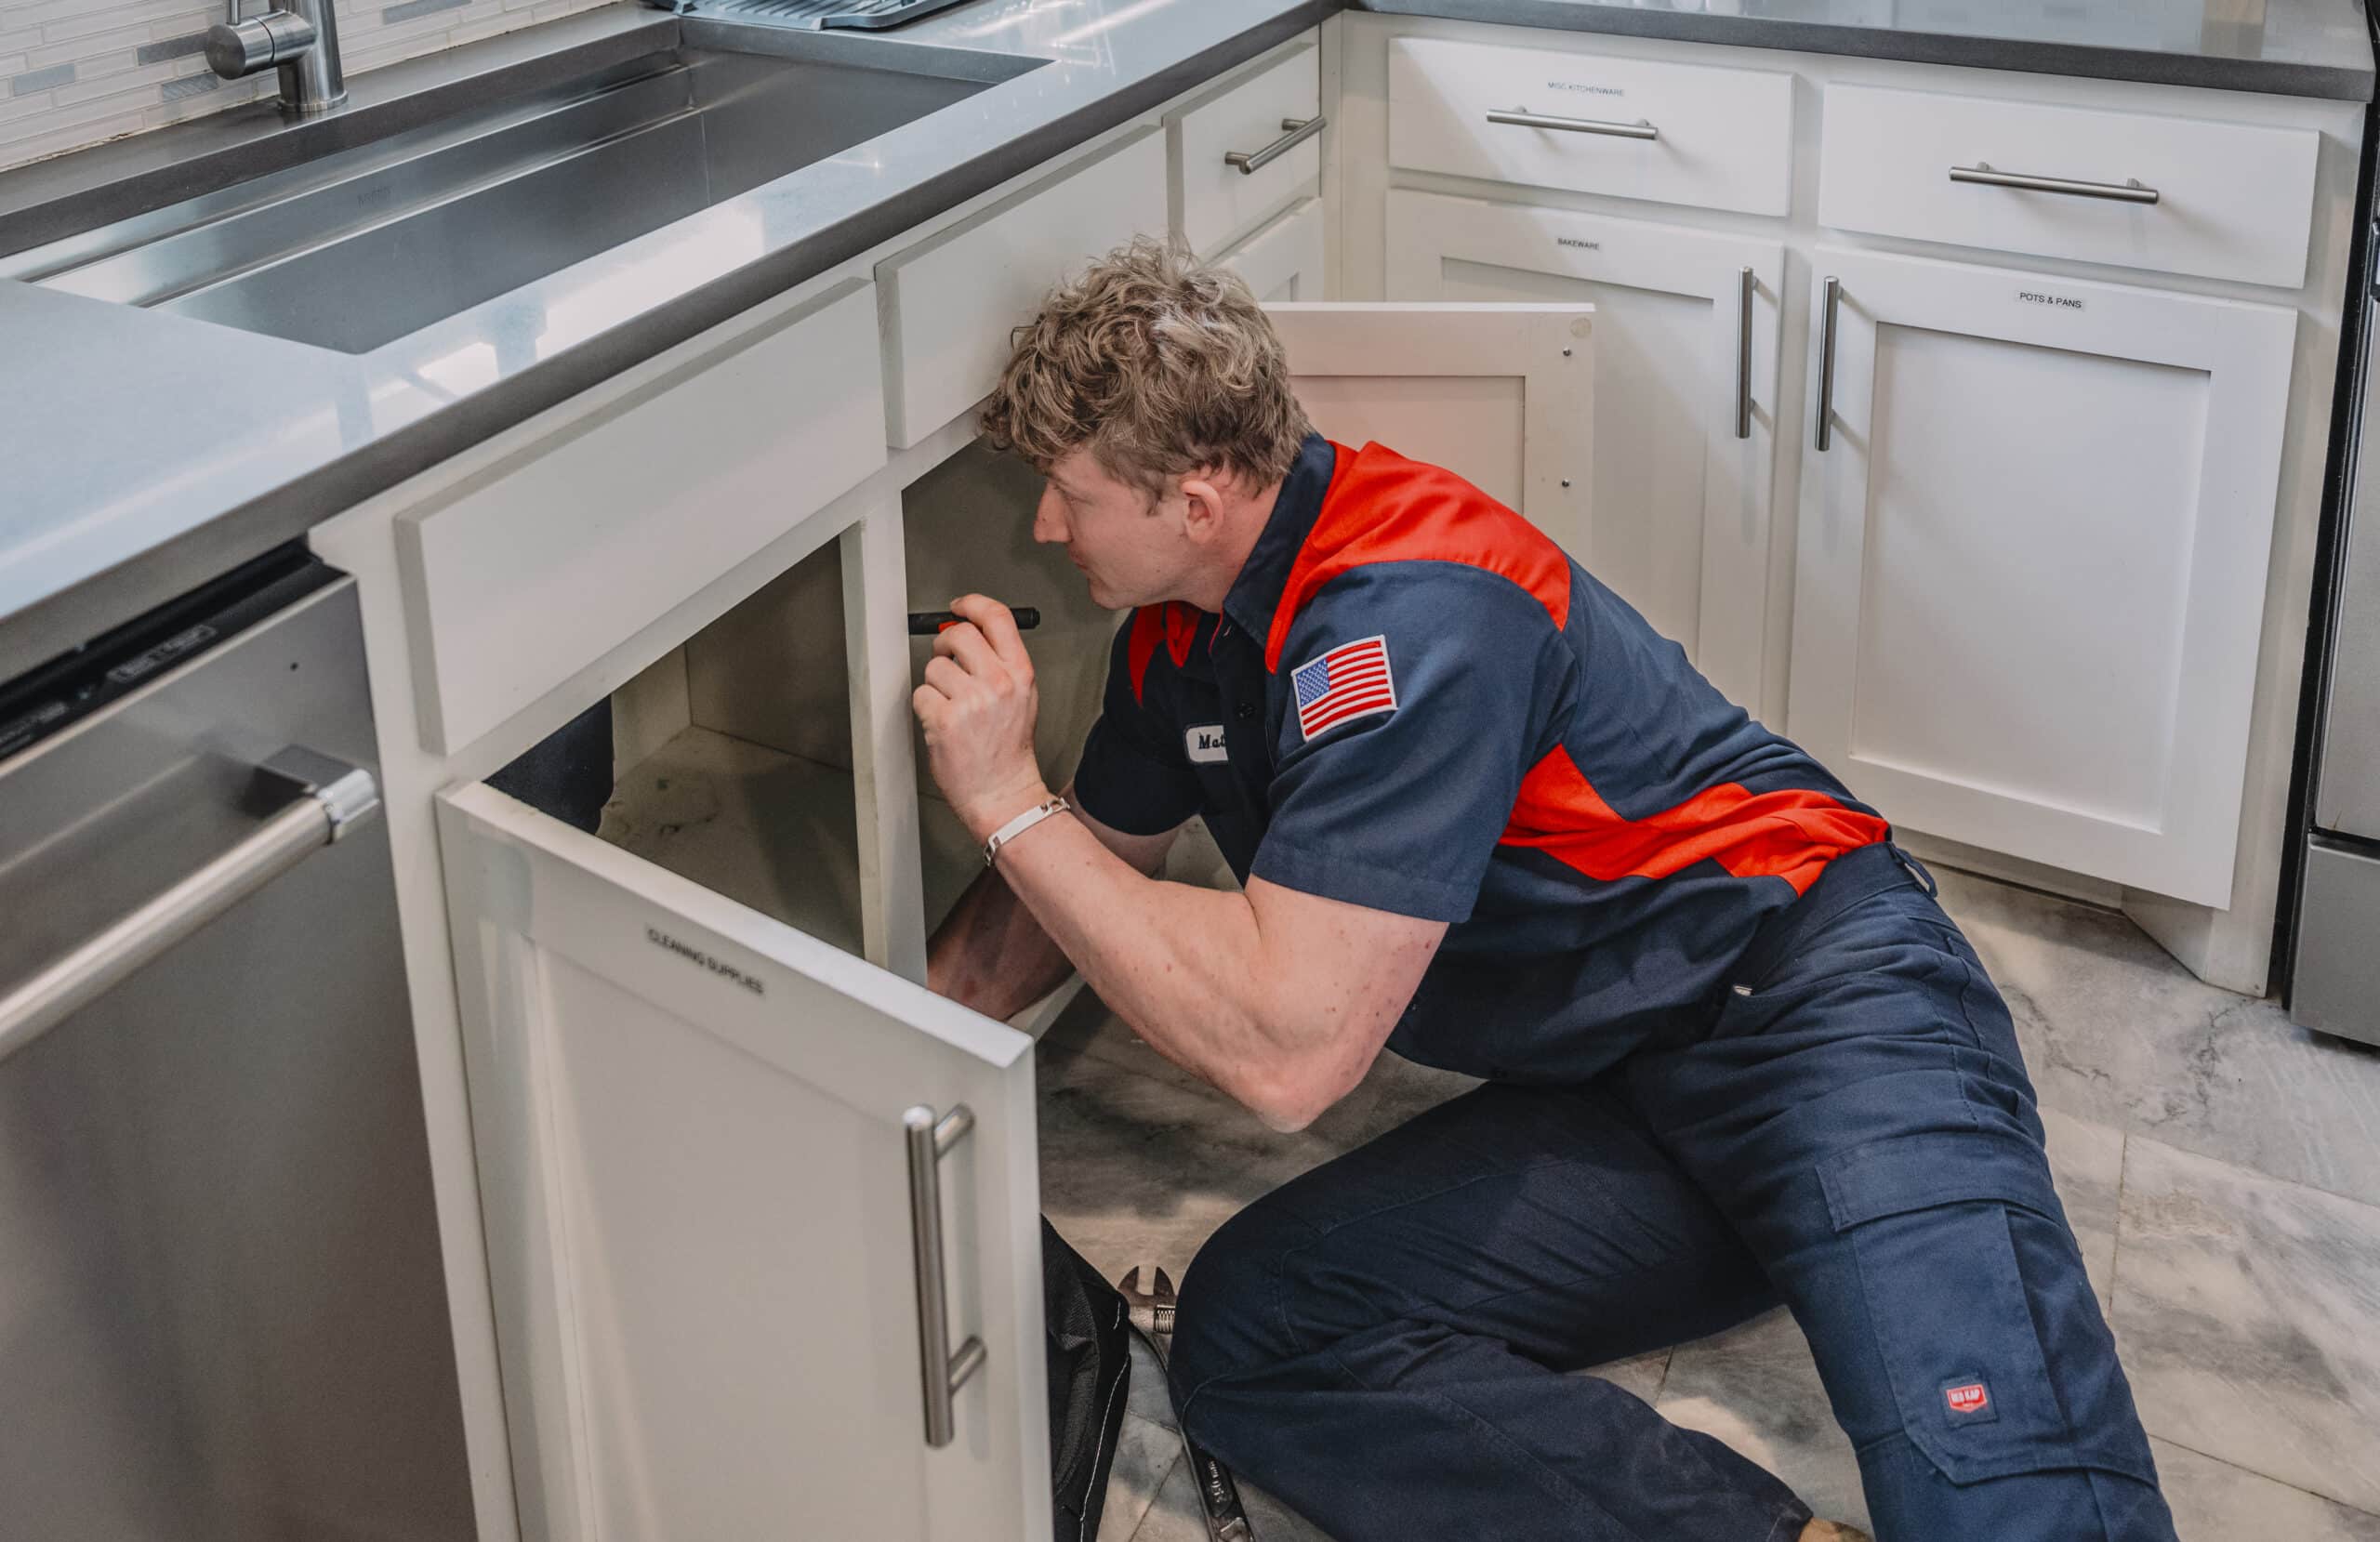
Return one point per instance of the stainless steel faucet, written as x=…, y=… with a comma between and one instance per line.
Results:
x=302, y=42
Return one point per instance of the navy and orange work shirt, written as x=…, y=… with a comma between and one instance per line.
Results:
x=1414, y=701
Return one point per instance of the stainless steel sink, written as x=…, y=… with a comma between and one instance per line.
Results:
x=371, y=243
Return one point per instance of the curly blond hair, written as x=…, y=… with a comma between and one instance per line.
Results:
x=1157, y=364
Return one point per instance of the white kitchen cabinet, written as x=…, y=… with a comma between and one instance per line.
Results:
x=1284, y=260
x=1600, y=121
x=691, y=1069
x=2137, y=189
x=1686, y=366
x=1502, y=395
x=948, y=302
x=578, y=533
x=2035, y=520
x=1245, y=152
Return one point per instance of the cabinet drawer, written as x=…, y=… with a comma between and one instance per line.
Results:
x=2232, y=201
x=948, y=304
x=524, y=575
x=1218, y=203
x=1633, y=128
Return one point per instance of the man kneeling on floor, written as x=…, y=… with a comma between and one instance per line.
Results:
x=1486, y=816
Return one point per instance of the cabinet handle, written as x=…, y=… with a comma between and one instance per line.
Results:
x=945, y=1373
x=1744, y=289
x=2127, y=191
x=1300, y=130
x=1826, y=362
x=324, y=799
x=1640, y=129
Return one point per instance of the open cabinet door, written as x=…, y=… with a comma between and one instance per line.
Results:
x=709, y=1230
x=1500, y=394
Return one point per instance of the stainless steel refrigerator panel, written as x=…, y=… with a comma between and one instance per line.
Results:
x=2337, y=986
x=224, y=1312
x=2347, y=797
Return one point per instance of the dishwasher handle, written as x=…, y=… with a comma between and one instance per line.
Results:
x=328, y=798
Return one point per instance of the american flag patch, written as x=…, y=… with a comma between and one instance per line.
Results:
x=1351, y=681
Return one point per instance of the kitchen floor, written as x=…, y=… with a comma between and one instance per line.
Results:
x=2221, y=1168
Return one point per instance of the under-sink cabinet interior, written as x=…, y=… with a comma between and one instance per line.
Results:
x=731, y=753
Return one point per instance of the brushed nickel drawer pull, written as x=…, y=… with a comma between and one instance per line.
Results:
x=1744, y=289
x=1640, y=129
x=1831, y=303
x=929, y=1139
x=2127, y=192
x=1298, y=131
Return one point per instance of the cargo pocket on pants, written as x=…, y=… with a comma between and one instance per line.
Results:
x=1968, y=1264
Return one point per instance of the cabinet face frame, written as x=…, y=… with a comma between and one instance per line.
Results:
x=1427, y=230
x=2185, y=848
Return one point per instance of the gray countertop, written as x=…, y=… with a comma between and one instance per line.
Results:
x=143, y=452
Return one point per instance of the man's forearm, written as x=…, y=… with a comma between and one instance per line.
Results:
x=1184, y=966
x=990, y=954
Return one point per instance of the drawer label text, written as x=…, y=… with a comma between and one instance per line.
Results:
x=2060, y=302
x=693, y=954
x=1582, y=86
x=1580, y=242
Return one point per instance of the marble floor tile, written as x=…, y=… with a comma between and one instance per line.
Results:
x=1141, y=1161
x=1175, y=1517
x=2214, y=1501
x=1137, y=1170
x=2249, y=1313
x=1641, y=1375
x=1275, y=1521
x=1146, y=1455
x=1756, y=1388
x=2115, y=1030
x=2086, y=1163
x=1145, y=1394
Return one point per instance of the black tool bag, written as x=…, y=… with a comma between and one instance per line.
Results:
x=1086, y=1336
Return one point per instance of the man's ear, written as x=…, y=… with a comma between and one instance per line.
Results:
x=1202, y=517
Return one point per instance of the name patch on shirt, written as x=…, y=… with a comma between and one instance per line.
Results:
x=1351, y=681
x=1205, y=743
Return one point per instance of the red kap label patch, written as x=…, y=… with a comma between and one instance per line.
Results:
x=1968, y=1401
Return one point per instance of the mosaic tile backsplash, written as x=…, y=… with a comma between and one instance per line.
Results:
x=75, y=72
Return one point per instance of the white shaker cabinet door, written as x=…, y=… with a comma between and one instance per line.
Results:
x=1284, y=260
x=2036, y=517
x=1686, y=395
x=709, y=1235
x=1502, y=395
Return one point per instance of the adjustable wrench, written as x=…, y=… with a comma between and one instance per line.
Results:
x=1152, y=1317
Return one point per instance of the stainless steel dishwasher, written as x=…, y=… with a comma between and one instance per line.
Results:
x=222, y=1313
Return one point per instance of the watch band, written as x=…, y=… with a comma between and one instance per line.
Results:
x=1021, y=823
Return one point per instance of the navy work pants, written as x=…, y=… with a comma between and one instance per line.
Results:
x=1849, y=1130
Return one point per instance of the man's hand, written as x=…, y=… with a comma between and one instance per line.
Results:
x=978, y=705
